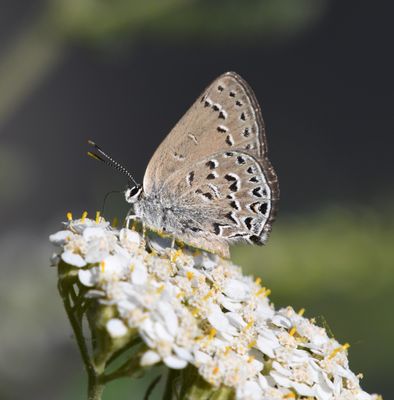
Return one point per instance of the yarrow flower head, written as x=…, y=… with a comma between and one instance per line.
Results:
x=193, y=311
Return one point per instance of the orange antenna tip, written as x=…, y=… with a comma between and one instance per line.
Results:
x=90, y=154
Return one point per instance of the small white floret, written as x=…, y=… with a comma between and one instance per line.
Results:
x=73, y=259
x=88, y=277
x=249, y=391
x=229, y=304
x=128, y=237
x=236, y=289
x=281, y=321
x=304, y=390
x=175, y=362
x=266, y=346
x=183, y=353
x=161, y=333
x=139, y=274
x=150, y=357
x=116, y=328
x=93, y=233
x=169, y=317
x=219, y=321
x=60, y=238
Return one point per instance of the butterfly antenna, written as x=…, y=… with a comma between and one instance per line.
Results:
x=106, y=159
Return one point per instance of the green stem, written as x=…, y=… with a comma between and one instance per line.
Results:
x=128, y=368
x=169, y=393
x=95, y=387
x=95, y=384
x=76, y=325
x=116, y=354
x=151, y=387
x=194, y=387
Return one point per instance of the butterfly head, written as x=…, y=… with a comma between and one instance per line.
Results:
x=133, y=193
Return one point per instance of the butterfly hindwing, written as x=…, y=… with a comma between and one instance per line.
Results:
x=232, y=195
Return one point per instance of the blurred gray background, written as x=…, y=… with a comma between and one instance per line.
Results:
x=122, y=73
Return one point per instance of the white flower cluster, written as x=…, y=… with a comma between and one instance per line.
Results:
x=194, y=307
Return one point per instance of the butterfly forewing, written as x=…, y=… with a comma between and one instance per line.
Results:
x=226, y=116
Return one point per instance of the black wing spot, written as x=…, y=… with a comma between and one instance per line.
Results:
x=248, y=222
x=190, y=177
x=216, y=228
x=243, y=117
x=220, y=88
x=194, y=229
x=229, y=140
x=234, y=186
x=232, y=94
x=238, y=103
x=230, y=178
x=256, y=192
x=216, y=107
x=263, y=208
x=234, y=205
x=211, y=176
x=178, y=156
x=228, y=154
x=221, y=129
x=255, y=239
x=250, y=170
x=221, y=115
x=207, y=103
x=231, y=217
x=253, y=179
x=207, y=195
x=240, y=160
x=246, y=132
x=211, y=164
x=237, y=235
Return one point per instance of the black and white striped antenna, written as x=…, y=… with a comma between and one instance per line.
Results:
x=106, y=159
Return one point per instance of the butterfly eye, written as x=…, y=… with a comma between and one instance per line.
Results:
x=133, y=193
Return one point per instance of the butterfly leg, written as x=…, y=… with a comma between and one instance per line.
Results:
x=173, y=253
x=131, y=217
x=128, y=220
x=143, y=230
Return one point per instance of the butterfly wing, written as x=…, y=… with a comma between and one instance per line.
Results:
x=223, y=126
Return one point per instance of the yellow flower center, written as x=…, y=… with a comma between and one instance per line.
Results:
x=344, y=347
x=84, y=215
x=301, y=312
x=292, y=331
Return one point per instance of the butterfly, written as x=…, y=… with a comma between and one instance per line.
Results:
x=209, y=184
